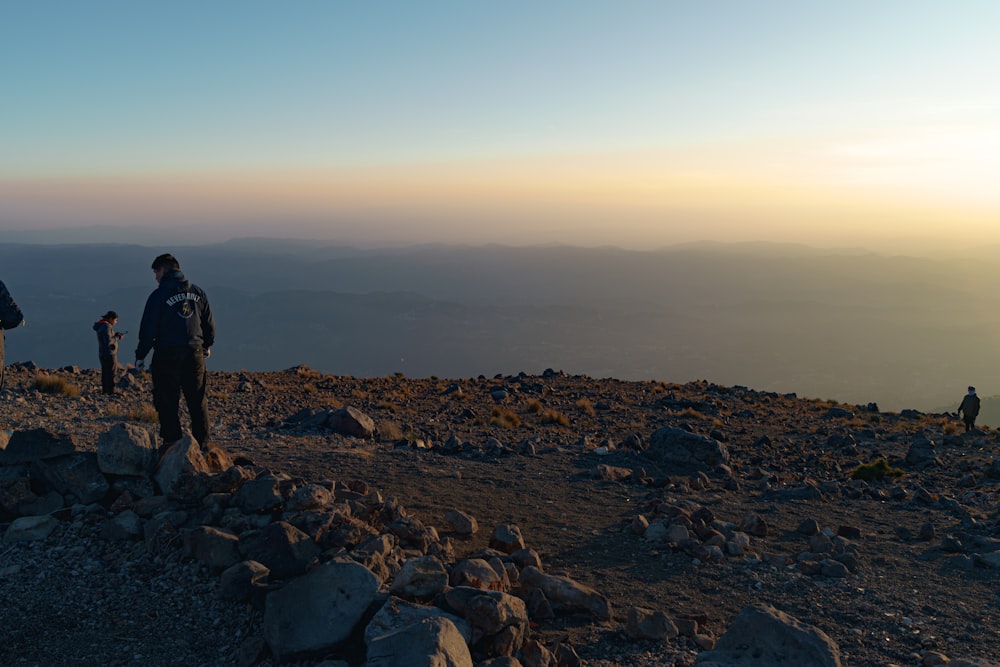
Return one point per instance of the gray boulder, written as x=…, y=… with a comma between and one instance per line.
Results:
x=215, y=548
x=432, y=642
x=762, y=636
x=922, y=452
x=284, y=549
x=396, y=614
x=259, y=495
x=351, y=421
x=29, y=528
x=76, y=474
x=420, y=578
x=35, y=445
x=126, y=449
x=675, y=447
x=183, y=458
x=566, y=594
x=317, y=612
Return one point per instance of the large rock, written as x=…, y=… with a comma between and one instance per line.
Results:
x=476, y=573
x=397, y=614
x=315, y=613
x=35, y=445
x=76, y=474
x=499, y=621
x=762, y=636
x=126, y=449
x=922, y=452
x=183, y=458
x=420, y=578
x=259, y=496
x=674, y=447
x=351, y=421
x=566, y=594
x=215, y=548
x=29, y=528
x=432, y=642
x=284, y=549
x=649, y=624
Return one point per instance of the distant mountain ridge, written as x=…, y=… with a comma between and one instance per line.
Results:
x=901, y=331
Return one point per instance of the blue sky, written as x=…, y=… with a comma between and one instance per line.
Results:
x=649, y=122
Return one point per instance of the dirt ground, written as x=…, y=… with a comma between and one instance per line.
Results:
x=529, y=451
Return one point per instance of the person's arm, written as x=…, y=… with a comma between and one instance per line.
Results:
x=207, y=326
x=148, y=326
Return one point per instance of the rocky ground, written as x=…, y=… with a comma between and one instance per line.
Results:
x=903, y=570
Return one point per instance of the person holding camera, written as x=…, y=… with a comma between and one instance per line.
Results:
x=177, y=325
x=107, y=350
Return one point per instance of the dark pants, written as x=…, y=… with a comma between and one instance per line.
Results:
x=175, y=370
x=108, y=366
x=970, y=423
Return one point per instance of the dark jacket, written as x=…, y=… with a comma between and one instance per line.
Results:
x=177, y=314
x=107, y=341
x=970, y=406
x=10, y=317
x=10, y=314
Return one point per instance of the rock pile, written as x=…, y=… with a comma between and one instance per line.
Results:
x=338, y=570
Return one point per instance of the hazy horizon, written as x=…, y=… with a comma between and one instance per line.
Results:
x=639, y=124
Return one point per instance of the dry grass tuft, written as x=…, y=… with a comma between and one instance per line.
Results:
x=145, y=413
x=53, y=384
x=534, y=405
x=587, y=407
x=551, y=416
x=504, y=418
x=877, y=469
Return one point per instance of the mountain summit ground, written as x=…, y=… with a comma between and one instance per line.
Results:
x=694, y=501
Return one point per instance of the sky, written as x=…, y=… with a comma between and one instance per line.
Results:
x=635, y=123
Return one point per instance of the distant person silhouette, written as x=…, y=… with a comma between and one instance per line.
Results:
x=107, y=350
x=177, y=325
x=969, y=409
x=10, y=317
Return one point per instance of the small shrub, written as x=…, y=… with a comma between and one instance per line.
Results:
x=534, y=405
x=587, y=407
x=551, y=416
x=504, y=418
x=307, y=373
x=692, y=413
x=52, y=384
x=309, y=388
x=876, y=470
x=145, y=413
x=386, y=405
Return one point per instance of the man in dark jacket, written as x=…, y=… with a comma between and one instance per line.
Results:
x=10, y=317
x=969, y=409
x=107, y=350
x=177, y=325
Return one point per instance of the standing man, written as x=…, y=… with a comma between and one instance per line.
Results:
x=10, y=317
x=177, y=325
x=107, y=350
x=969, y=409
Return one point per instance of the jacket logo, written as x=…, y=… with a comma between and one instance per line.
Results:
x=185, y=299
